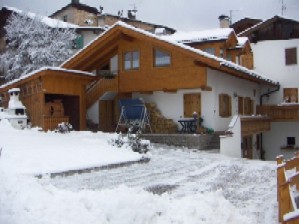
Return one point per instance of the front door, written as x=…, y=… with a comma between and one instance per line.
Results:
x=107, y=121
x=247, y=147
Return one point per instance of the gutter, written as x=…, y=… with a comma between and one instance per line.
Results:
x=261, y=103
x=268, y=93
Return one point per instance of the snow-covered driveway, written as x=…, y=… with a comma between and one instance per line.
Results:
x=249, y=185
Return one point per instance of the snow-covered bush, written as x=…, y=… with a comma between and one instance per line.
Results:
x=132, y=141
x=31, y=44
x=64, y=127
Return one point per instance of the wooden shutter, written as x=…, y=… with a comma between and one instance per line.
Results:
x=290, y=95
x=192, y=103
x=225, y=105
x=291, y=56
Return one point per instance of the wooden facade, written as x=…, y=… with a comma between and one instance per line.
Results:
x=47, y=86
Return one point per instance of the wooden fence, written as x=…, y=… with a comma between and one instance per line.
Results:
x=288, y=189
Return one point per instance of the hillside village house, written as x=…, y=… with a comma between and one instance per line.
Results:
x=84, y=15
x=174, y=77
x=275, y=45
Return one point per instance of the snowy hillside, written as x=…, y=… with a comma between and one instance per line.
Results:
x=176, y=186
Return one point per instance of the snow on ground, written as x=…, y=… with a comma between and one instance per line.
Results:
x=208, y=188
x=35, y=152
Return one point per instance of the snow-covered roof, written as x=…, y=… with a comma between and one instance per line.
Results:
x=223, y=62
x=200, y=36
x=44, y=69
x=266, y=21
x=54, y=23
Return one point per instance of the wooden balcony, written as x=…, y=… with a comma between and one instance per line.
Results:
x=254, y=125
x=280, y=113
x=50, y=123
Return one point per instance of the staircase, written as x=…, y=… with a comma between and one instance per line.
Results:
x=160, y=124
x=100, y=87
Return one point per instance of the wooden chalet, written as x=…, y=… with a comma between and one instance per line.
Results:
x=140, y=71
x=52, y=96
x=221, y=42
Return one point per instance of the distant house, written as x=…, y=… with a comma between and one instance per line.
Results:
x=275, y=45
x=84, y=15
x=244, y=24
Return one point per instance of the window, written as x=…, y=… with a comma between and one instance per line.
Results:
x=210, y=50
x=192, y=103
x=291, y=141
x=131, y=60
x=229, y=57
x=64, y=18
x=248, y=106
x=161, y=59
x=290, y=95
x=225, y=105
x=221, y=53
x=291, y=56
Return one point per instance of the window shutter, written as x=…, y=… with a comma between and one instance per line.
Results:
x=225, y=105
x=192, y=103
x=79, y=42
x=291, y=56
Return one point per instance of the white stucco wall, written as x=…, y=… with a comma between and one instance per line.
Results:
x=277, y=137
x=93, y=112
x=269, y=59
x=172, y=104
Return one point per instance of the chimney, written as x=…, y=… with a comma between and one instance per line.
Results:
x=75, y=2
x=132, y=14
x=224, y=21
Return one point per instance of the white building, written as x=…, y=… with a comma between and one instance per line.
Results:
x=275, y=45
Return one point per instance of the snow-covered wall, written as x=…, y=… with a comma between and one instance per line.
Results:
x=231, y=145
x=269, y=59
x=93, y=112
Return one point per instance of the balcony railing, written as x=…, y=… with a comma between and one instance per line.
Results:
x=254, y=124
x=102, y=86
x=50, y=123
x=284, y=112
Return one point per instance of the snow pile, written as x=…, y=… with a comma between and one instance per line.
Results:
x=35, y=152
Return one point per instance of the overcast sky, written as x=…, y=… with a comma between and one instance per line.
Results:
x=178, y=14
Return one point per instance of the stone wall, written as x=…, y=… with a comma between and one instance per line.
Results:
x=191, y=141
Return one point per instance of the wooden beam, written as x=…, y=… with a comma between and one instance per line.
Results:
x=206, y=88
x=170, y=90
x=199, y=63
x=126, y=37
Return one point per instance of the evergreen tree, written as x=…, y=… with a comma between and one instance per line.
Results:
x=31, y=44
